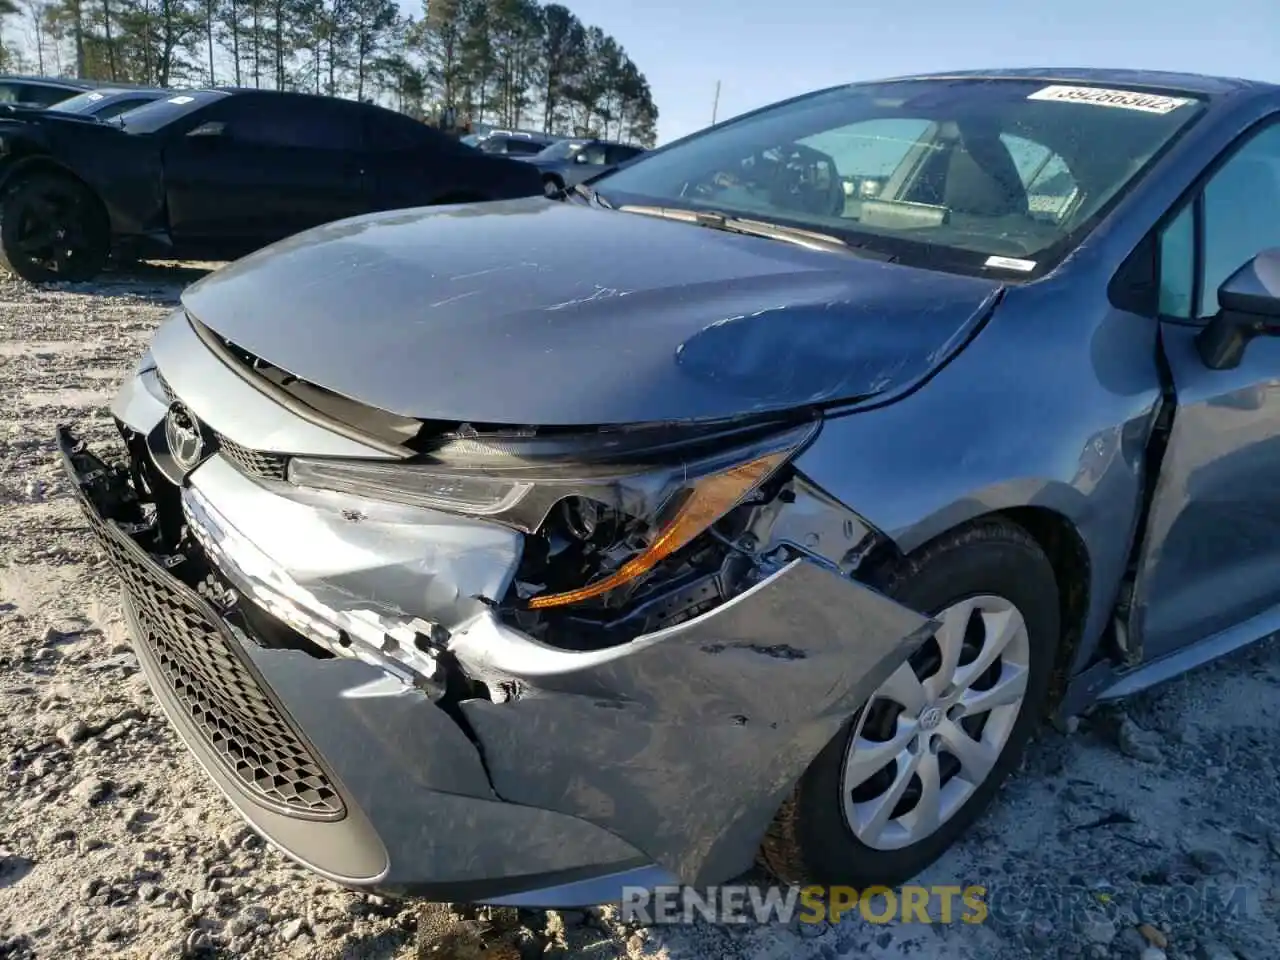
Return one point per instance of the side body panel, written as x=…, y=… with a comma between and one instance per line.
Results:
x=263, y=180
x=1051, y=406
x=1212, y=552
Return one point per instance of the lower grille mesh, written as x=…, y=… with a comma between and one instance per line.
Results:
x=218, y=689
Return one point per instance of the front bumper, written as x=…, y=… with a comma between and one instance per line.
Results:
x=659, y=761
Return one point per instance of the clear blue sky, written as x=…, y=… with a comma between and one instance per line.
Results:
x=765, y=50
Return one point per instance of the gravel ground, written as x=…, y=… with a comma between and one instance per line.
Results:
x=1150, y=832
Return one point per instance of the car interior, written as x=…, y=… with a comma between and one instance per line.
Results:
x=957, y=181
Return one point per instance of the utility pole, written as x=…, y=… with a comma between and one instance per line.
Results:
x=715, y=104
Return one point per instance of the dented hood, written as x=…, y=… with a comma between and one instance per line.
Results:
x=549, y=313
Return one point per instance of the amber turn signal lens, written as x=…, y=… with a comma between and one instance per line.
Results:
x=710, y=499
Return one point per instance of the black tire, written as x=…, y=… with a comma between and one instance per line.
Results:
x=810, y=840
x=552, y=186
x=52, y=228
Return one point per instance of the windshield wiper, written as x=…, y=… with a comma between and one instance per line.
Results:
x=812, y=239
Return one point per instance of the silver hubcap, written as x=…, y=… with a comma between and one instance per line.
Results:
x=932, y=732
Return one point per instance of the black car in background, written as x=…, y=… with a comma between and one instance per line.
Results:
x=107, y=102
x=40, y=91
x=569, y=162
x=512, y=143
x=216, y=174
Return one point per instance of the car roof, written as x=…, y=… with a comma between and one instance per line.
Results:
x=283, y=94
x=63, y=82
x=1194, y=83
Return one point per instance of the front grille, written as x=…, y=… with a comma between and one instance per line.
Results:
x=218, y=687
x=253, y=463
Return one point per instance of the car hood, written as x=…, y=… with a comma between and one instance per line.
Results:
x=551, y=313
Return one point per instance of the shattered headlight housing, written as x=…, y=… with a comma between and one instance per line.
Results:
x=608, y=506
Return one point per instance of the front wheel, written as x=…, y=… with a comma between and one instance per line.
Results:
x=52, y=228
x=552, y=187
x=923, y=759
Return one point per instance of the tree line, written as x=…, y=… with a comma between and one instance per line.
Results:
x=510, y=63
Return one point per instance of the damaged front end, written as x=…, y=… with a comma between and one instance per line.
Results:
x=521, y=666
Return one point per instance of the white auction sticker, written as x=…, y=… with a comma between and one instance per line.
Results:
x=1011, y=263
x=1124, y=99
x=181, y=100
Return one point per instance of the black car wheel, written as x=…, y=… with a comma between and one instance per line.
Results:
x=552, y=186
x=52, y=228
x=924, y=757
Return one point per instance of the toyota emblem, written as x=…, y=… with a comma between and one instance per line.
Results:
x=184, y=436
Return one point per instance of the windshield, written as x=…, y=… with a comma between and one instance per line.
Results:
x=81, y=103
x=943, y=172
x=153, y=116
x=561, y=150
x=471, y=139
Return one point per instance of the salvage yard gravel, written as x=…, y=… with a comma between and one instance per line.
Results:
x=1151, y=831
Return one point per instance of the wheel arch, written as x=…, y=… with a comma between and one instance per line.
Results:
x=38, y=163
x=1068, y=554
x=1057, y=534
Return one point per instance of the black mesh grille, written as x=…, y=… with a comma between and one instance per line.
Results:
x=253, y=463
x=200, y=662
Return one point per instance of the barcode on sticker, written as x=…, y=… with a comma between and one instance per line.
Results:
x=1011, y=263
x=1124, y=99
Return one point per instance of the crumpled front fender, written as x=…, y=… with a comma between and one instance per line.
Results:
x=686, y=741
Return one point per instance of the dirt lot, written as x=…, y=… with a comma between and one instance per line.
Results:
x=1149, y=833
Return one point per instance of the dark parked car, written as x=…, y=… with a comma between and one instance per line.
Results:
x=569, y=162
x=107, y=102
x=215, y=174
x=40, y=91
x=750, y=515
x=512, y=143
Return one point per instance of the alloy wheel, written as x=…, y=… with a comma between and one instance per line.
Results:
x=932, y=732
x=52, y=231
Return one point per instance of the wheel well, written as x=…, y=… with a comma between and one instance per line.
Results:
x=553, y=178
x=1069, y=557
x=37, y=165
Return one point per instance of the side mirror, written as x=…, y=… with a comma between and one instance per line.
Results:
x=210, y=128
x=1248, y=307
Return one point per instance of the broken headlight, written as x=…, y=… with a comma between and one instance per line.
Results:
x=605, y=508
